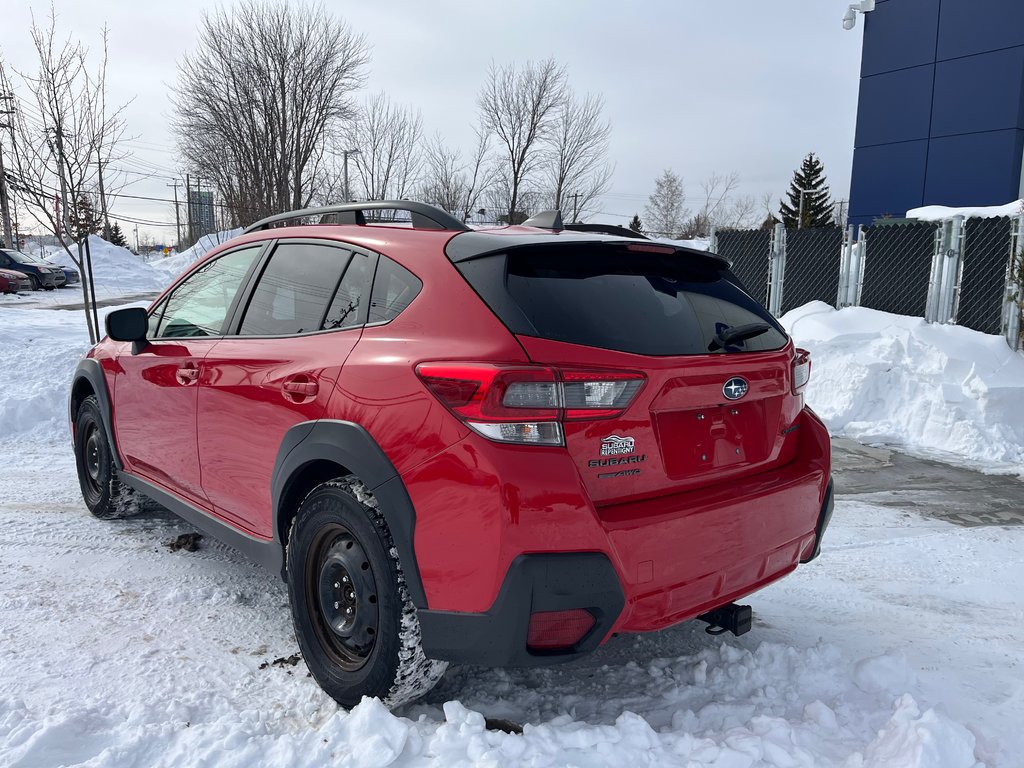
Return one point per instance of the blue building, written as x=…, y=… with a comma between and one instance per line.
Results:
x=940, y=119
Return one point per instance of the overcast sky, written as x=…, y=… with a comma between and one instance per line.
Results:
x=715, y=85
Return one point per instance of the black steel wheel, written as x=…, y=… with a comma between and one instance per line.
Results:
x=104, y=494
x=354, y=621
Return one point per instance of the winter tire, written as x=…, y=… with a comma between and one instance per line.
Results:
x=354, y=621
x=36, y=285
x=105, y=496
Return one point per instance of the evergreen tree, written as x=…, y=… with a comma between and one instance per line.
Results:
x=116, y=236
x=636, y=225
x=85, y=219
x=817, y=202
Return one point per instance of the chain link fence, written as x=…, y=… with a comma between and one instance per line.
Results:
x=749, y=252
x=897, y=267
x=812, y=266
x=954, y=271
x=983, y=276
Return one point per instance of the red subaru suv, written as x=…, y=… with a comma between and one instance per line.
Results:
x=497, y=447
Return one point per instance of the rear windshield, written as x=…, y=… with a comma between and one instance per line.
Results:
x=605, y=296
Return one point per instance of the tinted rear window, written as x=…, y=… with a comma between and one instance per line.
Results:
x=644, y=303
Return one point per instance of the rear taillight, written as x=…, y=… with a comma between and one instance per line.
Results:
x=527, y=404
x=801, y=370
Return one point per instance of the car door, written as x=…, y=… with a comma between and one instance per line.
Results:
x=155, y=389
x=277, y=369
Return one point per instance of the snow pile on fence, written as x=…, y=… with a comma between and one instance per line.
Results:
x=115, y=269
x=942, y=212
x=878, y=377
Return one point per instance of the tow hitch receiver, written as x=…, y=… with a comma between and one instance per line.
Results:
x=729, y=618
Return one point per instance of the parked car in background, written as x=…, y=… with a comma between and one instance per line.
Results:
x=12, y=282
x=71, y=275
x=42, y=274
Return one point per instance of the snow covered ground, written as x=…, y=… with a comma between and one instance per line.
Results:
x=900, y=647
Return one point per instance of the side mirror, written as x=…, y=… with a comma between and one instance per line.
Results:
x=130, y=324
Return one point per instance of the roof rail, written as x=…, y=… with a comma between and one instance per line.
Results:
x=423, y=216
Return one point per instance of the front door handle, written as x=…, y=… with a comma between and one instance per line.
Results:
x=187, y=374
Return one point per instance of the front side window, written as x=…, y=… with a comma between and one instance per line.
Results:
x=199, y=306
x=294, y=290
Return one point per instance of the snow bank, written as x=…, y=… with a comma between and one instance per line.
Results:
x=878, y=377
x=177, y=263
x=116, y=269
x=941, y=212
x=41, y=348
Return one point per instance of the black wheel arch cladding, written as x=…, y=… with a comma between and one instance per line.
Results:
x=350, y=446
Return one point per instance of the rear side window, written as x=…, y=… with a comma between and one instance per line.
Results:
x=294, y=291
x=351, y=302
x=644, y=303
x=394, y=288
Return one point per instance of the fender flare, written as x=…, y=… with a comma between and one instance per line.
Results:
x=351, y=446
x=91, y=371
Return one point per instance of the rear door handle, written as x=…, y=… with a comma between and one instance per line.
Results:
x=187, y=374
x=299, y=388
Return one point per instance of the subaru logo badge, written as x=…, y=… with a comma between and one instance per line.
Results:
x=735, y=388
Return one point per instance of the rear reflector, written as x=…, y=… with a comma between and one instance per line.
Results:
x=550, y=630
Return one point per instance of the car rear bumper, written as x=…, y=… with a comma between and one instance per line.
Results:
x=635, y=567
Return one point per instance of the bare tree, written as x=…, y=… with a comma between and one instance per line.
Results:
x=268, y=83
x=453, y=184
x=387, y=136
x=665, y=212
x=720, y=206
x=60, y=133
x=576, y=162
x=519, y=106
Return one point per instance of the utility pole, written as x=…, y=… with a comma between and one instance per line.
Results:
x=136, y=238
x=575, y=206
x=188, y=210
x=103, y=194
x=177, y=216
x=5, y=211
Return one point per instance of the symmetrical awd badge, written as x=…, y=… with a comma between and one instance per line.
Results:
x=735, y=388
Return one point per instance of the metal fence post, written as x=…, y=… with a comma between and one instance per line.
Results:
x=713, y=240
x=845, y=264
x=1013, y=298
x=931, y=312
x=860, y=255
x=952, y=271
x=777, y=271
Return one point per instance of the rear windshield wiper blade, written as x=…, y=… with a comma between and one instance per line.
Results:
x=728, y=336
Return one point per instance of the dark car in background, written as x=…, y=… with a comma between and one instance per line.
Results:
x=71, y=276
x=42, y=274
x=12, y=281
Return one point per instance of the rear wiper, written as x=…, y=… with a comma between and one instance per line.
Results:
x=728, y=336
